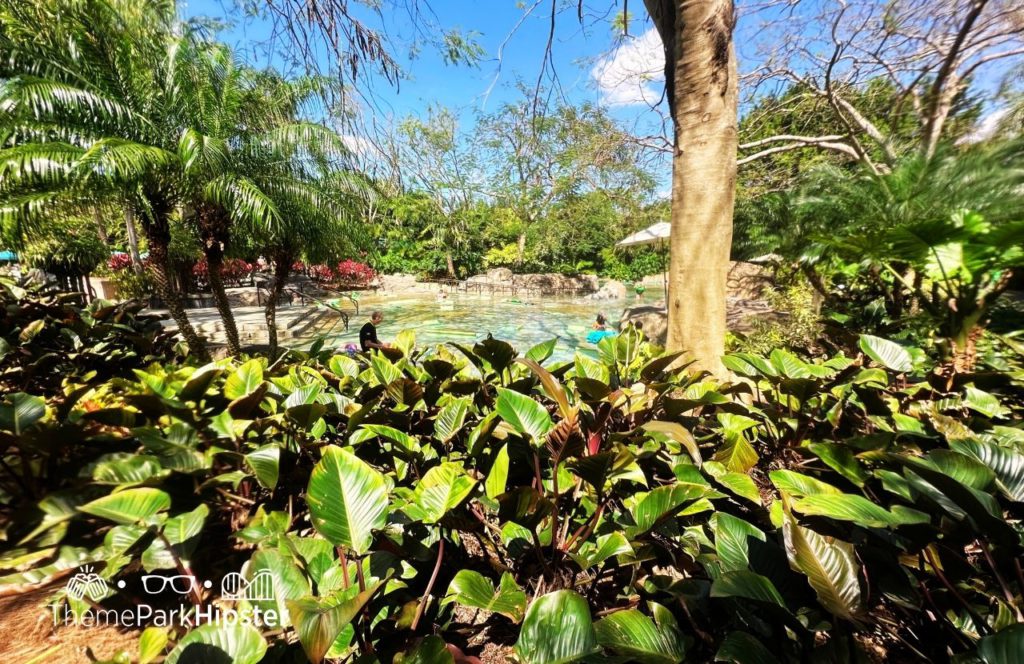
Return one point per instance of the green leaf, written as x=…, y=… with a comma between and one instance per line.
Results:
x=442, y=489
x=797, y=485
x=860, y=510
x=348, y=499
x=265, y=463
x=431, y=650
x=830, y=565
x=182, y=531
x=736, y=454
x=472, y=589
x=642, y=639
x=19, y=411
x=742, y=648
x=840, y=459
x=731, y=540
x=498, y=476
x=1007, y=465
x=524, y=414
x=450, y=419
x=1004, y=647
x=151, y=644
x=220, y=643
x=557, y=630
x=748, y=585
x=244, y=380
x=739, y=483
x=677, y=433
x=319, y=620
x=552, y=387
x=595, y=553
x=887, y=353
x=542, y=351
x=662, y=503
x=129, y=506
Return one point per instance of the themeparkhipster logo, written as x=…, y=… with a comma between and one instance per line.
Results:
x=86, y=589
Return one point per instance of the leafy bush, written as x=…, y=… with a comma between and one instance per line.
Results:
x=795, y=323
x=232, y=271
x=611, y=505
x=633, y=266
x=349, y=271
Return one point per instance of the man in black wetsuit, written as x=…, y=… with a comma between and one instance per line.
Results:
x=368, y=333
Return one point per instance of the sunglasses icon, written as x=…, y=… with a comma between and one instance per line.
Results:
x=155, y=584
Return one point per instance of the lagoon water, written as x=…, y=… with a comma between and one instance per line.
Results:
x=466, y=319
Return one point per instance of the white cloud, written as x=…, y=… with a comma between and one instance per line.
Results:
x=359, y=145
x=986, y=128
x=633, y=72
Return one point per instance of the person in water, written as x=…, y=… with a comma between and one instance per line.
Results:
x=600, y=330
x=368, y=333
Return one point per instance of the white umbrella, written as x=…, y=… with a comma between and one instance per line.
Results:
x=655, y=234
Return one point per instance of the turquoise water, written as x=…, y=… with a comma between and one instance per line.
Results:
x=466, y=319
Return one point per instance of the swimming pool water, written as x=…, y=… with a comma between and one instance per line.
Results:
x=466, y=319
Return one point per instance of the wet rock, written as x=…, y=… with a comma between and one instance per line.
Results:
x=653, y=321
x=610, y=290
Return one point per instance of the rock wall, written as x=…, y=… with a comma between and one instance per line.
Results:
x=746, y=281
x=545, y=283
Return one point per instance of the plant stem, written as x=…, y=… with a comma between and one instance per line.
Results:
x=344, y=568
x=430, y=584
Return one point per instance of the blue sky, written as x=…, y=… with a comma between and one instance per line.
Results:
x=576, y=48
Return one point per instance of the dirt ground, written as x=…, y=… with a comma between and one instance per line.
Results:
x=27, y=635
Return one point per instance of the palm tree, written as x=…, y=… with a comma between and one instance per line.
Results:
x=91, y=114
x=948, y=231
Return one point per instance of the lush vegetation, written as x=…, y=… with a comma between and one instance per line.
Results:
x=859, y=506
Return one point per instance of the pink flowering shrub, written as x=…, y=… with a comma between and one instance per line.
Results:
x=119, y=262
x=354, y=272
x=232, y=270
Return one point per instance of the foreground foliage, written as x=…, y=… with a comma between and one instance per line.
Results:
x=434, y=504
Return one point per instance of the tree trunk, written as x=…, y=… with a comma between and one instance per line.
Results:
x=133, y=241
x=159, y=261
x=701, y=82
x=101, y=231
x=451, y=264
x=520, y=248
x=214, y=262
x=282, y=265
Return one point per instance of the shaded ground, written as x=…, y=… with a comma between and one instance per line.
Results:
x=27, y=634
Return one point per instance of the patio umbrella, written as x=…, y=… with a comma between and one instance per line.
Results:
x=655, y=234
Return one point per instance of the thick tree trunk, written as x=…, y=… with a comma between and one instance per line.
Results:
x=520, y=248
x=214, y=263
x=451, y=264
x=133, y=241
x=701, y=80
x=282, y=265
x=159, y=261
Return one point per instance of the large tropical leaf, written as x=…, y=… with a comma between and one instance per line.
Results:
x=637, y=636
x=524, y=414
x=557, y=630
x=887, y=353
x=348, y=499
x=442, y=489
x=830, y=565
x=471, y=588
x=220, y=643
x=319, y=620
x=129, y=506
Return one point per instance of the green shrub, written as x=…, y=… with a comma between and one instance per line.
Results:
x=609, y=506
